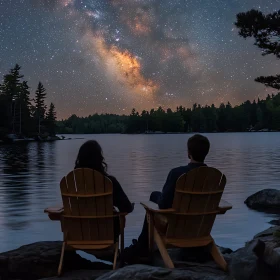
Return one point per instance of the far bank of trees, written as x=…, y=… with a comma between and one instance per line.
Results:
x=19, y=113
x=256, y=115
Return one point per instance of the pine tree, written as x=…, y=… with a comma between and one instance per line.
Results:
x=40, y=106
x=11, y=88
x=11, y=84
x=24, y=109
x=50, y=120
x=253, y=114
x=266, y=32
x=5, y=116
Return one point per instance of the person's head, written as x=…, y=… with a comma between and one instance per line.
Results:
x=91, y=156
x=198, y=148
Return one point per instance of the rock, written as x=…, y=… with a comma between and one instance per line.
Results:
x=224, y=250
x=242, y=263
x=270, y=232
x=258, y=260
x=189, y=257
x=78, y=275
x=145, y=272
x=275, y=222
x=267, y=199
x=276, y=253
x=269, y=254
x=268, y=260
x=41, y=259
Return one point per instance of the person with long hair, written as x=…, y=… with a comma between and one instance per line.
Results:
x=90, y=155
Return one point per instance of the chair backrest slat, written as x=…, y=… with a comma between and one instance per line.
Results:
x=199, y=192
x=74, y=189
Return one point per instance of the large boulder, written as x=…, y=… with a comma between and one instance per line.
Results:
x=259, y=259
x=267, y=199
x=243, y=263
x=41, y=259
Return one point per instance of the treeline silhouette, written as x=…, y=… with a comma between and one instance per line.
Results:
x=21, y=115
x=249, y=116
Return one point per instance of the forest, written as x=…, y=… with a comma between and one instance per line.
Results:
x=20, y=115
x=249, y=116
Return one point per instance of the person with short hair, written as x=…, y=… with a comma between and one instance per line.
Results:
x=198, y=148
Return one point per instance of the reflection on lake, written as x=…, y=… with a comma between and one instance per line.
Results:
x=30, y=176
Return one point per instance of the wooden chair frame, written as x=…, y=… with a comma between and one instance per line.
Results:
x=155, y=216
x=85, y=211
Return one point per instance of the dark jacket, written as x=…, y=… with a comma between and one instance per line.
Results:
x=166, y=199
x=120, y=199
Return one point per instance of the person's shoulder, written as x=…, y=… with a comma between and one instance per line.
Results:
x=178, y=171
x=112, y=178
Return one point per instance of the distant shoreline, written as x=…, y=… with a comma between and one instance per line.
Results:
x=159, y=133
x=60, y=137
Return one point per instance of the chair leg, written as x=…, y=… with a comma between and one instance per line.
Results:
x=150, y=220
x=61, y=259
x=115, y=255
x=122, y=224
x=218, y=257
x=162, y=249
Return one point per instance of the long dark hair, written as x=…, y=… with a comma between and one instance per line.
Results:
x=91, y=156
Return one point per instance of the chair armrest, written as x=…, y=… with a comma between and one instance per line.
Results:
x=153, y=207
x=224, y=206
x=54, y=210
x=54, y=213
x=122, y=219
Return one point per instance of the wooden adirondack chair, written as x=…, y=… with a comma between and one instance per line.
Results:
x=87, y=216
x=189, y=223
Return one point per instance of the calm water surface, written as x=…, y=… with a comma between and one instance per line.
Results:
x=30, y=176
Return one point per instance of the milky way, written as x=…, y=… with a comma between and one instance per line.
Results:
x=110, y=56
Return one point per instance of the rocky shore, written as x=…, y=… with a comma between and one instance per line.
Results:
x=259, y=259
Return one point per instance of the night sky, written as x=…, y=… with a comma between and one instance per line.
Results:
x=113, y=55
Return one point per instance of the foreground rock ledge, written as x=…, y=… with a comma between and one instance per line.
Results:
x=146, y=272
x=40, y=260
x=259, y=259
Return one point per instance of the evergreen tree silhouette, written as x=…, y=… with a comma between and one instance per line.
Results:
x=11, y=88
x=51, y=120
x=40, y=107
x=265, y=29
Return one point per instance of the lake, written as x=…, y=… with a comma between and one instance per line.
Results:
x=30, y=176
